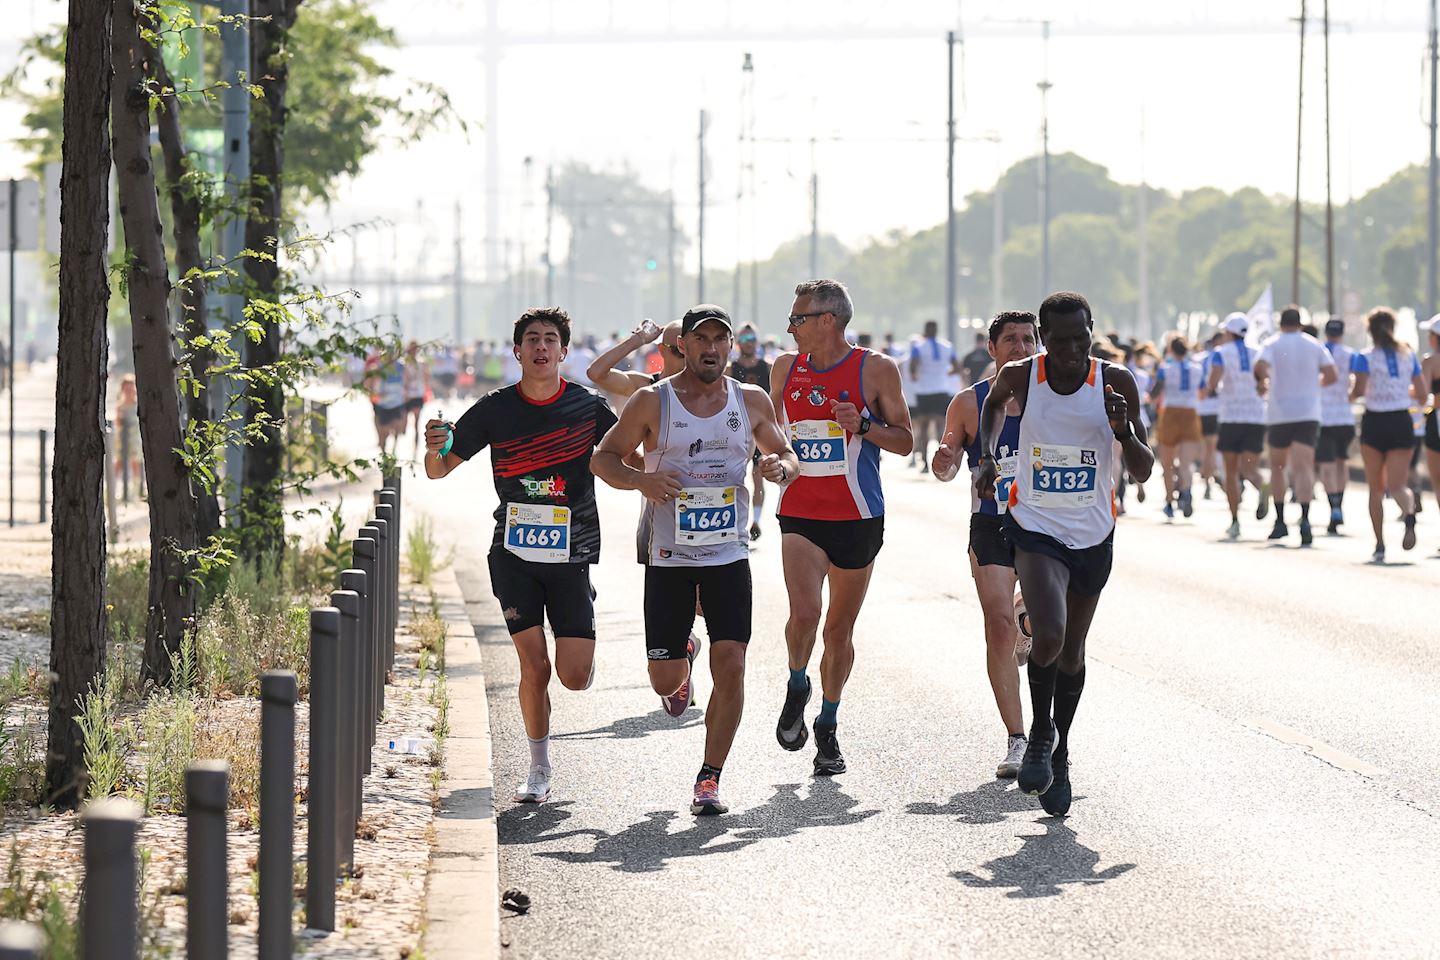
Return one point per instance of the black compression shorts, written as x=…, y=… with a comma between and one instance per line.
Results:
x=850, y=544
x=1282, y=435
x=1432, y=433
x=1241, y=438
x=1209, y=424
x=932, y=404
x=725, y=596
x=1334, y=443
x=1089, y=567
x=988, y=541
x=530, y=592
x=1387, y=430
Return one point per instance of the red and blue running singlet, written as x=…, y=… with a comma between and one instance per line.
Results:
x=839, y=471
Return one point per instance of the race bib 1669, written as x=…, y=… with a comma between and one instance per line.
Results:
x=538, y=532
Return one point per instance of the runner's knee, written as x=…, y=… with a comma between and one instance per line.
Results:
x=805, y=619
x=838, y=634
x=575, y=674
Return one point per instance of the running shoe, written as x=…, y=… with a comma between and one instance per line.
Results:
x=536, y=788
x=1262, y=509
x=707, y=802
x=1234, y=530
x=1140, y=493
x=1036, y=774
x=754, y=531
x=1379, y=555
x=1408, y=543
x=1187, y=503
x=791, y=731
x=1056, y=800
x=828, y=761
x=1279, y=531
x=1168, y=510
x=1307, y=536
x=678, y=702
x=1207, y=489
x=1014, y=753
x=1333, y=529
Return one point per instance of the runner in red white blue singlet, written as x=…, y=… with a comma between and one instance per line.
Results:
x=840, y=406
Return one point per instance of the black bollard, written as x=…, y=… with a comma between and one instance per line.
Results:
x=20, y=941
x=386, y=511
x=347, y=750
x=278, y=692
x=385, y=563
x=107, y=913
x=207, y=910
x=363, y=557
x=320, y=842
x=356, y=579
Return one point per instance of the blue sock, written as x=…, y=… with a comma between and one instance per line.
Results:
x=827, y=712
x=797, y=679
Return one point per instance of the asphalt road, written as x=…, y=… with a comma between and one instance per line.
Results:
x=1255, y=761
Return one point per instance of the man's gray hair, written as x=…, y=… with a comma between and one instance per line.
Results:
x=830, y=296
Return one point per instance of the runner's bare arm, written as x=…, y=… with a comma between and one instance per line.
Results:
x=1262, y=376
x=891, y=430
x=1329, y=374
x=636, y=425
x=1011, y=381
x=436, y=465
x=1357, y=385
x=1217, y=373
x=962, y=423
x=778, y=462
x=602, y=372
x=1122, y=405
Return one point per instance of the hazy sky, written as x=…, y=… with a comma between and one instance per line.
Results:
x=621, y=84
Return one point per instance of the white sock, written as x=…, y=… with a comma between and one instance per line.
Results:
x=539, y=752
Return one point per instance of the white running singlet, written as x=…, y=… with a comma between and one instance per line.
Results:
x=1295, y=360
x=1240, y=400
x=1335, y=408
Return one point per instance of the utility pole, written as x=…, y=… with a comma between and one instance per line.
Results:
x=459, y=333
x=950, y=191
x=670, y=279
x=1142, y=327
x=1329, y=206
x=549, y=225
x=235, y=61
x=1299, y=130
x=1045, y=86
x=700, y=274
x=997, y=244
x=524, y=220
x=1430, y=286
x=814, y=224
x=747, y=93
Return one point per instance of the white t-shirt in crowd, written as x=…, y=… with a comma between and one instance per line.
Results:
x=900, y=353
x=937, y=358
x=1295, y=360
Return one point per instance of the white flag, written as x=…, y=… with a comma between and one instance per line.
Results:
x=1259, y=317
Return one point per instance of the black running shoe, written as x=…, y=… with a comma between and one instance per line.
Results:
x=828, y=760
x=791, y=731
x=1036, y=773
x=754, y=532
x=1307, y=536
x=1056, y=800
x=1187, y=503
x=1279, y=532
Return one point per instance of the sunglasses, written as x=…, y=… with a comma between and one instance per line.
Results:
x=747, y=339
x=798, y=319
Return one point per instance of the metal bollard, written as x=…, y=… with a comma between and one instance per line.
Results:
x=107, y=913
x=386, y=563
x=364, y=557
x=278, y=693
x=387, y=511
x=207, y=910
x=44, y=474
x=320, y=842
x=347, y=750
x=20, y=941
x=355, y=579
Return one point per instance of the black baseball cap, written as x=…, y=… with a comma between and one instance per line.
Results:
x=701, y=312
x=1334, y=328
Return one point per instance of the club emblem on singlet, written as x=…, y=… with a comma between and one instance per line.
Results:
x=733, y=422
x=1087, y=457
x=817, y=396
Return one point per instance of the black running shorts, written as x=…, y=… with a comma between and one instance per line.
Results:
x=1209, y=424
x=1334, y=443
x=1387, y=430
x=529, y=592
x=725, y=596
x=1089, y=567
x=988, y=541
x=850, y=544
x=932, y=404
x=1432, y=432
x=1282, y=435
x=1241, y=438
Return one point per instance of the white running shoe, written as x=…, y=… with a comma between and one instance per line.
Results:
x=536, y=788
x=1234, y=531
x=1014, y=753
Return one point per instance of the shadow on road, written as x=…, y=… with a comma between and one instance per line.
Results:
x=648, y=845
x=987, y=803
x=1044, y=865
x=633, y=728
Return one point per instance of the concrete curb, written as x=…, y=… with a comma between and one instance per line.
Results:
x=462, y=901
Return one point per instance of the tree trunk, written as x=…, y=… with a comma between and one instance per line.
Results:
x=263, y=533
x=172, y=504
x=194, y=311
x=77, y=559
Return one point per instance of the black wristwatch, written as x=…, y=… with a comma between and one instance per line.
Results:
x=864, y=427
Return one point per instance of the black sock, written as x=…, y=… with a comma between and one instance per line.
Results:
x=1334, y=499
x=1068, y=687
x=1304, y=511
x=708, y=772
x=1042, y=689
x=1279, y=511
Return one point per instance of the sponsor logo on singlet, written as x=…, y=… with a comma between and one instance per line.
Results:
x=551, y=488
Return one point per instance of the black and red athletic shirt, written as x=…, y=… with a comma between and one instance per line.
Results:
x=757, y=375
x=540, y=453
